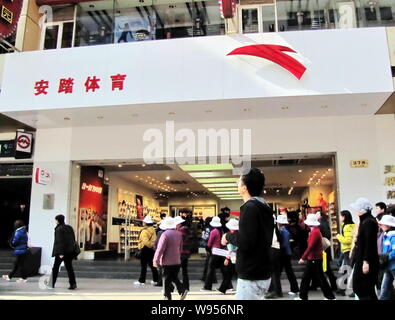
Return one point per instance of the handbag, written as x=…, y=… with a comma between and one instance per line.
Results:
x=325, y=243
x=76, y=250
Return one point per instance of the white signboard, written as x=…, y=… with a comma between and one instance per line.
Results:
x=43, y=177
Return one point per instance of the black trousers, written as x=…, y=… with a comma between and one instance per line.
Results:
x=284, y=264
x=147, y=256
x=67, y=259
x=205, y=270
x=215, y=262
x=314, y=269
x=160, y=276
x=229, y=272
x=184, y=269
x=170, y=274
x=364, y=284
x=329, y=273
x=19, y=264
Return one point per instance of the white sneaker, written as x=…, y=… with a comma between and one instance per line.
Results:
x=297, y=298
x=330, y=299
x=291, y=293
x=154, y=283
x=184, y=295
x=21, y=280
x=138, y=283
x=6, y=277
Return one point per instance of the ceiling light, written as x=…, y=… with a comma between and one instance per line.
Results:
x=317, y=171
x=219, y=185
x=187, y=189
x=225, y=192
x=294, y=182
x=167, y=178
x=300, y=170
x=277, y=190
x=208, y=174
x=207, y=167
x=329, y=169
x=120, y=166
x=217, y=180
x=264, y=191
x=143, y=165
x=223, y=189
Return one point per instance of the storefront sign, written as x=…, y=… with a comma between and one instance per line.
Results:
x=389, y=182
x=359, y=163
x=389, y=169
x=43, y=177
x=23, y=145
x=7, y=149
x=10, y=11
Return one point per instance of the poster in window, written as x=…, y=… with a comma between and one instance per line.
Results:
x=139, y=207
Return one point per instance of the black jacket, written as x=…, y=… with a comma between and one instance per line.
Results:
x=253, y=241
x=64, y=240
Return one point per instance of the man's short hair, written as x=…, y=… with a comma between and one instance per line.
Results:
x=381, y=205
x=254, y=180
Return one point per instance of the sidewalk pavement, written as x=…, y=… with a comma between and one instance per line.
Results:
x=108, y=289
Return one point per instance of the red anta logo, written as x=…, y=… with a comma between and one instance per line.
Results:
x=275, y=54
x=23, y=142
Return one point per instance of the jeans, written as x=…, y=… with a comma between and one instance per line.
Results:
x=170, y=274
x=252, y=290
x=386, y=285
x=314, y=269
x=147, y=257
x=69, y=267
x=19, y=264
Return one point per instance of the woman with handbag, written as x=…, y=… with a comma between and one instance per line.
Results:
x=387, y=256
x=65, y=249
x=19, y=243
x=146, y=247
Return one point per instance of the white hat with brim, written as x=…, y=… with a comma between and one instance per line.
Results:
x=233, y=224
x=312, y=220
x=362, y=205
x=168, y=223
x=282, y=219
x=387, y=220
x=216, y=222
x=148, y=220
x=178, y=220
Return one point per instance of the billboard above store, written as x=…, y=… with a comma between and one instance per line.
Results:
x=338, y=62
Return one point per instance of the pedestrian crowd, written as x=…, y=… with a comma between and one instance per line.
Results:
x=255, y=249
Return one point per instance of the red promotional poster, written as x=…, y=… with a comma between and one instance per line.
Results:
x=92, y=221
x=10, y=11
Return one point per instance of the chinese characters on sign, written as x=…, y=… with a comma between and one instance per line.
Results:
x=66, y=85
x=389, y=169
x=91, y=188
x=359, y=163
x=6, y=14
x=389, y=182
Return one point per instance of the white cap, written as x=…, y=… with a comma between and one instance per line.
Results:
x=178, y=220
x=312, y=220
x=168, y=223
x=387, y=220
x=148, y=219
x=362, y=205
x=282, y=219
x=233, y=224
x=216, y=222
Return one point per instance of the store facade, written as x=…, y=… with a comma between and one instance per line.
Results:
x=96, y=105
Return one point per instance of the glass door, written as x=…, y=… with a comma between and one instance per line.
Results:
x=57, y=35
x=258, y=19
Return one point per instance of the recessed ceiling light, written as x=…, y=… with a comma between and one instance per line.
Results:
x=300, y=170
x=120, y=166
x=329, y=169
x=143, y=165
x=317, y=171
x=137, y=176
x=294, y=182
x=167, y=178
x=187, y=189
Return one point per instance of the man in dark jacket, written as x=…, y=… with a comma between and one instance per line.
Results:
x=366, y=257
x=254, y=239
x=64, y=251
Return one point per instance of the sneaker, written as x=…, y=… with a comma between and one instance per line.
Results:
x=292, y=293
x=222, y=291
x=6, y=277
x=21, y=280
x=184, y=295
x=298, y=298
x=73, y=287
x=154, y=283
x=330, y=299
x=166, y=298
x=138, y=283
x=204, y=290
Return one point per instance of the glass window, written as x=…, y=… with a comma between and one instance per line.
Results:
x=249, y=20
x=67, y=35
x=268, y=18
x=51, y=37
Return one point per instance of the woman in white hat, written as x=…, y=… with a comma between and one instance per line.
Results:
x=313, y=255
x=215, y=261
x=146, y=244
x=387, y=257
x=366, y=258
x=229, y=264
x=168, y=255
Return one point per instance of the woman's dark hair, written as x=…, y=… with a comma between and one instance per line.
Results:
x=347, y=217
x=18, y=224
x=60, y=218
x=254, y=181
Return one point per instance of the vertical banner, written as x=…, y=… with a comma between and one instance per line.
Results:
x=92, y=213
x=23, y=145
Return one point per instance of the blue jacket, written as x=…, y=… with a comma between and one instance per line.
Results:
x=389, y=248
x=19, y=241
x=285, y=245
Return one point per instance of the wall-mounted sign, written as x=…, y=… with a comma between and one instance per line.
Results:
x=389, y=169
x=49, y=201
x=389, y=182
x=359, y=163
x=7, y=149
x=10, y=11
x=23, y=145
x=43, y=177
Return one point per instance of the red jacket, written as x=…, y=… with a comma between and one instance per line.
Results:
x=314, y=249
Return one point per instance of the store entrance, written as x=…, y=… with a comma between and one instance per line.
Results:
x=111, y=220
x=15, y=191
